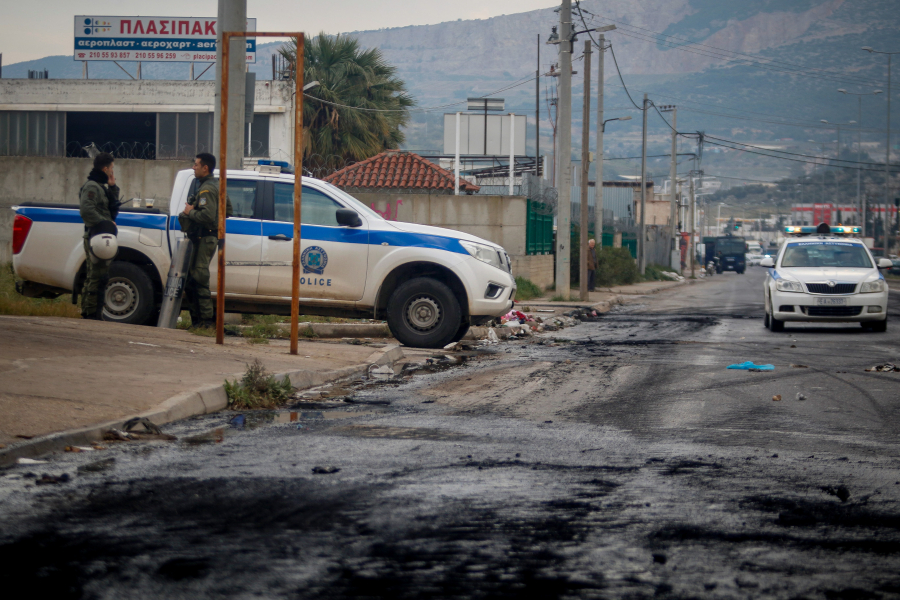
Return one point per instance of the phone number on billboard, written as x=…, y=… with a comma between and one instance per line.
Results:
x=133, y=55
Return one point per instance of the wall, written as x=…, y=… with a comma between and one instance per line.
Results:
x=499, y=219
x=59, y=180
x=659, y=212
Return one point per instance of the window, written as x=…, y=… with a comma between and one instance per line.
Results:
x=243, y=198
x=183, y=135
x=318, y=209
x=124, y=135
x=826, y=254
x=256, y=136
x=32, y=133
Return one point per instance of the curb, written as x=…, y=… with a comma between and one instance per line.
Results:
x=204, y=400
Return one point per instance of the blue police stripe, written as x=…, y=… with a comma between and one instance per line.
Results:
x=348, y=235
x=312, y=233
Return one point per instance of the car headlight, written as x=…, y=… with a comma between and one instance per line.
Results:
x=786, y=285
x=869, y=287
x=487, y=254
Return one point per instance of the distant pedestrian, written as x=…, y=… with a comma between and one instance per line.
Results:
x=99, y=205
x=592, y=265
x=200, y=223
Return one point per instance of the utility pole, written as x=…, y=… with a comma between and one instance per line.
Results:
x=690, y=247
x=585, y=169
x=598, y=190
x=642, y=262
x=537, y=110
x=232, y=17
x=675, y=258
x=564, y=108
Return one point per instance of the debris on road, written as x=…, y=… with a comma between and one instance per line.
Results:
x=840, y=491
x=52, y=479
x=776, y=398
x=238, y=421
x=217, y=435
x=749, y=366
x=799, y=366
x=381, y=372
x=77, y=449
x=885, y=368
x=31, y=461
x=801, y=396
x=148, y=425
x=325, y=470
x=117, y=435
x=492, y=336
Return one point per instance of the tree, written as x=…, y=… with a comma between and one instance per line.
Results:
x=358, y=107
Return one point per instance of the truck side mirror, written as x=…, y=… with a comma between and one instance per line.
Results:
x=767, y=262
x=348, y=218
x=885, y=263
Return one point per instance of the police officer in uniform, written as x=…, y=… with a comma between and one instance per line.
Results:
x=200, y=223
x=99, y=206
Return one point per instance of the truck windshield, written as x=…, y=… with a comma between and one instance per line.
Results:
x=826, y=254
x=730, y=247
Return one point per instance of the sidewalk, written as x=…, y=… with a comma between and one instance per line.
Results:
x=60, y=374
x=602, y=299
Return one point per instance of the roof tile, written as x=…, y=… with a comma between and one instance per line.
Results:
x=397, y=169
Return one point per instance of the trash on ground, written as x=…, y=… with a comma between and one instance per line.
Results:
x=325, y=470
x=545, y=310
x=776, y=398
x=801, y=396
x=97, y=466
x=799, y=366
x=238, y=421
x=52, y=479
x=148, y=425
x=492, y=336
x=79, y=449
x=31, y=461
x=452, y=346
x=885, y=368
x=749, y=366
x=381, y=372
x=117, y=435
x=144, y=344
x=208, y=437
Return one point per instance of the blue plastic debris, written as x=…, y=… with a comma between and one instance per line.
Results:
x=238, y=421
x=749, y=366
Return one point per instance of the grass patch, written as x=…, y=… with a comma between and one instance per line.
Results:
x=13, y=303
x=272, y=319
x=527, y=290
x=654, y=273
x=257, y=389
x=559, y=298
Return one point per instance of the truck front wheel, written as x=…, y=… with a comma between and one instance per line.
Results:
x=128, y=297
x=424, y=313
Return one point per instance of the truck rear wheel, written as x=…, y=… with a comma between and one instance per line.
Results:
x=424, y=313
x=128, y=297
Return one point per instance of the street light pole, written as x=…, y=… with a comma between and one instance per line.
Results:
x=860, y=201
x=598, y=189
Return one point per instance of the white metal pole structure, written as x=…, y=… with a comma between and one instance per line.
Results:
x=860, y=201
x=642, y=262
x=690, y=248
x=675, y=255
x=512, y=151
x=564, y=183
x=585, y=169
x=887, y=154
x=456, y=161
x=232, y=17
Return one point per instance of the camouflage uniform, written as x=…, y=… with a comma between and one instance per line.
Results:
x=94, y=202
x=201, y=226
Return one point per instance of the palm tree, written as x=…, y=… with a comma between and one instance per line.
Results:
x=358, y=107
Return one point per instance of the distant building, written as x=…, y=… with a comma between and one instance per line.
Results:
x=142, y=119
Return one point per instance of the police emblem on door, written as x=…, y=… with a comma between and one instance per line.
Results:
x=314, y=260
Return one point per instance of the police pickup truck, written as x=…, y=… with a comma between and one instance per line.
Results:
x=430, y=284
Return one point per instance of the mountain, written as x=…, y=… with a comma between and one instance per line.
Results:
x=772, y=66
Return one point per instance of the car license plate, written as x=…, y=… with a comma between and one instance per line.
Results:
x=831, y=302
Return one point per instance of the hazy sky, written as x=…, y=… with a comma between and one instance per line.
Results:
x=31, y=30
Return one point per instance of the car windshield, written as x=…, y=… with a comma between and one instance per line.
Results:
x=826, y=254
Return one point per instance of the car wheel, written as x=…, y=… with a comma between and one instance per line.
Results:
x=775, y=325
x=424, y=313
x=128, y=296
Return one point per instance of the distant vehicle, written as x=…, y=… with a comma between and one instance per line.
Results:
x=728, y=252
x=895, y=270
x=824, y=274
x=755, y=253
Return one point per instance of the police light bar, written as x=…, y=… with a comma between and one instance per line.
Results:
x=810, y=230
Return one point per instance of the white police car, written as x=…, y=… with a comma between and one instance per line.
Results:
x=824, y=274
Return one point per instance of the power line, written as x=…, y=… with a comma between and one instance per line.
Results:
x=809, y=162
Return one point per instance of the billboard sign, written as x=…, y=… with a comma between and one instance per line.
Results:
x=157, y=39
x=486, y=135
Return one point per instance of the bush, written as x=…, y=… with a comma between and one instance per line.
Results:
x=527, y=290
x=616, y=267
x=257, y=389
x=654, y=273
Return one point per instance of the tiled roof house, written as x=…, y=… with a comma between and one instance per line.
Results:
x=398, y=170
